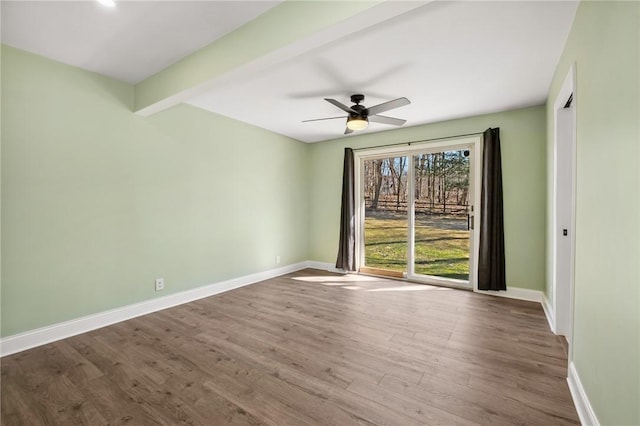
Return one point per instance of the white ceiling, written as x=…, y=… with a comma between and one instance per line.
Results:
x=129, y=42
x=451, y=59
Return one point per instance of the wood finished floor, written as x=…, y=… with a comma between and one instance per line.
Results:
x=309, y=348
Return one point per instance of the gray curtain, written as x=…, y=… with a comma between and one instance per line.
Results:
x=491, y=271
x=347, y=248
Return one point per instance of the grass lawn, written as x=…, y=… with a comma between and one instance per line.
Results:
x=442, y=244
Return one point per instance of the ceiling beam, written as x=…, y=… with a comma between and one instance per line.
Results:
x=280, y=34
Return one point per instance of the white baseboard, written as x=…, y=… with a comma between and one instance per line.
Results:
x=548, y=312
x=324, y=266
x=580, y=400
x=41, y=336
x=511, y=292
x=517, y=293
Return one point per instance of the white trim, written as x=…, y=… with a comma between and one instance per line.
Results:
x=510, y=293
x=563, y=289
x=411, y=217
x=516, y=293
x=359, y=211
x=432, y=145
x=475, y=182
x=325, y=266
x=41, y=336
x=440, y=281
x=474, y=144
x=548, y=312
x=580, y=400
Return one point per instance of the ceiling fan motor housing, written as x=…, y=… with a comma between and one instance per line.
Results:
x=357, y=98
x=360, y=111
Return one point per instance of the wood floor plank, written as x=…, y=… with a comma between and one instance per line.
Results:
x=418, y=410
x=308, y=348
x=474, y=404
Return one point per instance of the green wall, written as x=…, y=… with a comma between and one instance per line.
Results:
x=98, y=202
x=604, y=45
x=523, y=160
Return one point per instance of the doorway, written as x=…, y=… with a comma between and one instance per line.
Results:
x=416, y=212
x=564, y=160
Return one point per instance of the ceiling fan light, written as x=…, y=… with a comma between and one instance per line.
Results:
x=357, y=123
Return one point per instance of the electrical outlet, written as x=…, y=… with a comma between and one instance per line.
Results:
x=159, y=284
x=277, y=260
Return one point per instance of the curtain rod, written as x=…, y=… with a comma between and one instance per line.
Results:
x=418, y=141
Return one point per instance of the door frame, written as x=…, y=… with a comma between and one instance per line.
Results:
x=564, y=132
x=474, y=144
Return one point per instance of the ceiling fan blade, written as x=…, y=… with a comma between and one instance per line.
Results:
x=347, y=131
x=386, y=106
x=386, y=120
x=320, y=119
x=340, y=105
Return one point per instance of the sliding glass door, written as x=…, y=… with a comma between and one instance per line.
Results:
x=417, y=212
x=386, y=223
x=441, y=216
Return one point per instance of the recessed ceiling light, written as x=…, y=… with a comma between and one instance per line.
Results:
x=107, y=3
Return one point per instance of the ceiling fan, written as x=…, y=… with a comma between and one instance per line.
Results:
x=360, y=116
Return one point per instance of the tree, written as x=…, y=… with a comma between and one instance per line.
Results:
x=398, y=166
x=377, y=182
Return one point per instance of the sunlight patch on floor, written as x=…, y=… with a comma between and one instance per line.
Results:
x=352, y=287
x=417, y=287
x=336, y=278
x=366, y=283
